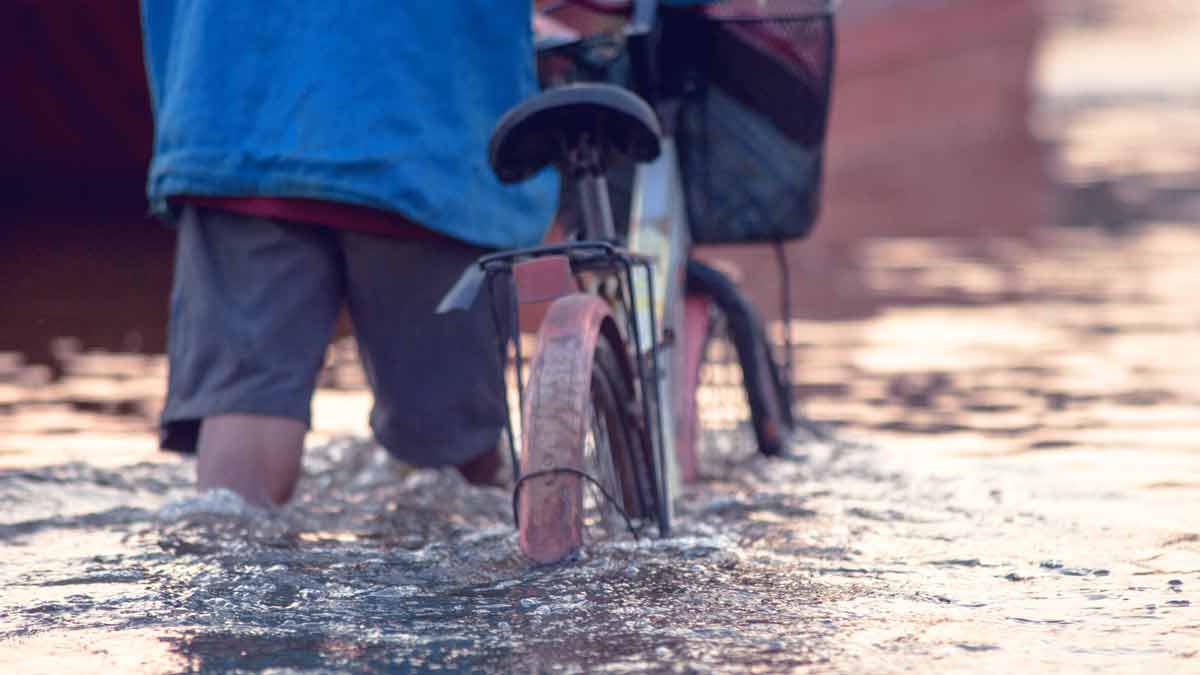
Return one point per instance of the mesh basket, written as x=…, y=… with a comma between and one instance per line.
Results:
x=754, y=80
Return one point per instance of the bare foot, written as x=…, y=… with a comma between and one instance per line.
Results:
x=483, y=469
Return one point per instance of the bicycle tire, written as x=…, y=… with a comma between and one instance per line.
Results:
x=768, y=398
x=558, y=510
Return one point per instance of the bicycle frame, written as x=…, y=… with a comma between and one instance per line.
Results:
x=591, y=307
x=658, y=230
x=647, y=314
x=658, y=234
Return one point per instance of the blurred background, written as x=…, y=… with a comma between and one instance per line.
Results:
x=968, y=138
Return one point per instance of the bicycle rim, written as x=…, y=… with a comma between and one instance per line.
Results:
x=614, y=453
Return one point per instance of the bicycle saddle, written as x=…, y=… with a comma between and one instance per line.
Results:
x=580, y=128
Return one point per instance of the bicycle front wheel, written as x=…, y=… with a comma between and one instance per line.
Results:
x=709, y=291
x=587, y=473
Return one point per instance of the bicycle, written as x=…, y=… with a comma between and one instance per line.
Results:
x=608, y=410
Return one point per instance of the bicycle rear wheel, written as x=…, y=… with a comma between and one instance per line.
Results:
x=579, y=422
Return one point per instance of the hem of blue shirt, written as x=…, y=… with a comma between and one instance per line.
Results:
x=176, y=174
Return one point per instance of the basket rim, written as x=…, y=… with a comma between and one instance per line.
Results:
x=811, y=9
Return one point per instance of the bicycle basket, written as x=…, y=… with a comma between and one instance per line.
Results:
x=754, y=77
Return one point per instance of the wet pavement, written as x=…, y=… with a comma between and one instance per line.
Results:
x=1011, y=482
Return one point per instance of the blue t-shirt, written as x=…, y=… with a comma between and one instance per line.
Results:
x=381, y=103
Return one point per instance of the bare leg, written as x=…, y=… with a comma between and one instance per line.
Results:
x=256, y=456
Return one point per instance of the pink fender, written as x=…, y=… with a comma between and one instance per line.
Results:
x=687, y=420
x=557, y=395
x=539, y=282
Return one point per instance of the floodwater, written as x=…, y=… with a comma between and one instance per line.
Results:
x=1010, y=481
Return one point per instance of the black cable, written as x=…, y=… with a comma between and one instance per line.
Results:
x=575, y=472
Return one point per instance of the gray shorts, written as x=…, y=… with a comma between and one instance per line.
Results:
x=254, y=305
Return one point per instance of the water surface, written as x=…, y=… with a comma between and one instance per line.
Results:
x=1008, y=481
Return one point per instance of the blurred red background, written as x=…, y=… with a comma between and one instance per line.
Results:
x=930, y=137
